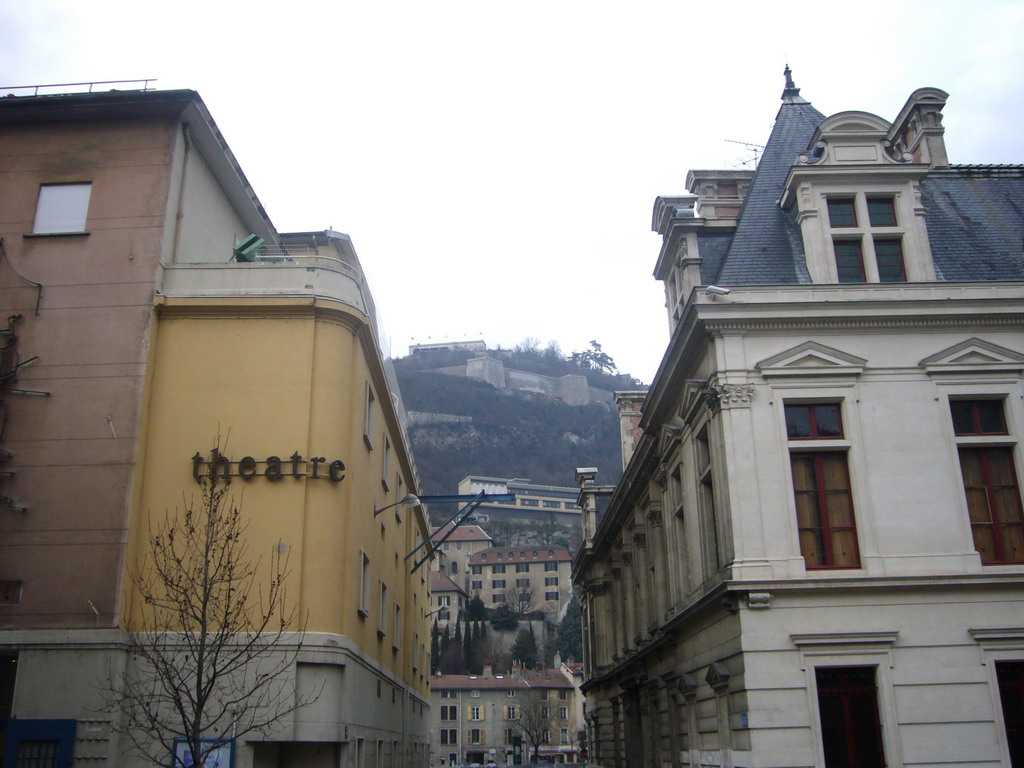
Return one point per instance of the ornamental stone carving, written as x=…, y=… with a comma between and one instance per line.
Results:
x=616, y=573
x=640, y=539
x=730, y=396
x=627, y=558
x=654, y=518
x=759, y=600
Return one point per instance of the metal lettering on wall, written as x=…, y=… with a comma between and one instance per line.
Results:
x=272, y=467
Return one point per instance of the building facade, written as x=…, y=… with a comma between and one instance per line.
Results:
x=161, y=343
x=458, y=547
x=477, y=718
x=524, y=578
x=534, y=503
x=448, y=600
x=815, y=556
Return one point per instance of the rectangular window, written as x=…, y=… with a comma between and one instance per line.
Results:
x=550, y=566
x=477, y=585
x=498, y=569
x=369, y=417
x=990, y=482
x=813, y=422
x=498, y=598
x=449, y=736
x=364, y=585
x=476, y=736
x=530, y=502
x=849, y=261
x=10, y=592
x=474, y=694
x=448, y=712
x=511, y=693
x=563, y=695
x=62, y=209
x=397, y=627
x=545, y=712
x=1010, y=677
x=889, y=258
x=706, y=499
x=474, y=713
x=978, y=417
x=563, y=735
x=382, y=622
x=851, y=733
x=509, y=735
x=458, y=545
x=550, y=581
x=824, y=510
x=522, y=582
x=447, y=694
x=511, y=712
x=881, y=212
x=993, y=503
x=563, y=713
x=386, y=465
x=550, y=595
x=477, y=569
x=841, y=212
x=445, y=600
x=569, y=504
x=821, y=485
x=522, y=567
x=498, y=584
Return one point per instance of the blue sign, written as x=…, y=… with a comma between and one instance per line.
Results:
x=220, y=753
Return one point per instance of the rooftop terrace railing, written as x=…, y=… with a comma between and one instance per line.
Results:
x=89, y=87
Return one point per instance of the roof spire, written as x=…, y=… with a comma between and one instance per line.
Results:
x=791, y=94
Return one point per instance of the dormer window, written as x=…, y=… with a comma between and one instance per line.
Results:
x=866, y=254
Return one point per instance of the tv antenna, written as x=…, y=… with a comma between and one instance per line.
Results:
x=750, y=146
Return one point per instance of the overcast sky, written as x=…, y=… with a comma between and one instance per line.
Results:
x=496, y=163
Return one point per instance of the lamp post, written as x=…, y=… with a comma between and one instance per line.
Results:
x=410, y=500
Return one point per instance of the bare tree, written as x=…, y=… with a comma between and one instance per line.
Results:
x=535, y=718
x=521, y=600
x=210, y=642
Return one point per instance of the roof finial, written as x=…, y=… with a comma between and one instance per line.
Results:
x=791, y=94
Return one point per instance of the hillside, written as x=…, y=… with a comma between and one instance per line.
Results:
x=501, y=433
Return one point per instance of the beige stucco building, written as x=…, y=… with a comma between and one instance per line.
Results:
x=815, y=556
x=500, y=575
x=152, y=342
x=477, y=717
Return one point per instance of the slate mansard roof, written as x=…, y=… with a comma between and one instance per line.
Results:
x=974, y=215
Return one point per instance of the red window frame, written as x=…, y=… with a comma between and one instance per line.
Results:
x=972, y=409
x=851, y=732
x=997, y=524
x=990, y=482
x=826, y=521
x=828, y=534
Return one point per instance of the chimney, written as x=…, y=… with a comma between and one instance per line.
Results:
x=558, y=660
x=488, y=671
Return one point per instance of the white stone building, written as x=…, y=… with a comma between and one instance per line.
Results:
x=815, y=556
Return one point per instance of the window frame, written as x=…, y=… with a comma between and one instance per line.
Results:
x=52, y=210
x=845, y=692
x=819, y=449
x=985, y=446
x=837, y=200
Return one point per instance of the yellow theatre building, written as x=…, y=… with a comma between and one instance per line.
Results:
x=148, y=336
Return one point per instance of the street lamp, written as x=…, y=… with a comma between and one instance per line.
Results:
x=410, y=500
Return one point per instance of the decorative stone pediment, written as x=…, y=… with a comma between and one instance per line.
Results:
x=974, y=356
x=718, y=675
x=694, y=392
x=812, y=359
x=669, y=438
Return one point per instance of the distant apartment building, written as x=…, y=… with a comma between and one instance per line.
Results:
x=501, y=574
x=448, y=600
x=477, y=345
x=540, y=504
x=453, y=555
x=479, y=718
